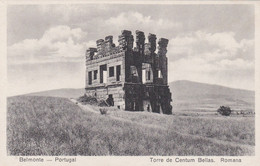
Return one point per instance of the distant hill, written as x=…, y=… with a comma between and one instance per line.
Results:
x=186, y=95
x=65, y=93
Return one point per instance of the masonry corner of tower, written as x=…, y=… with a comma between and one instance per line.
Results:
x=128, y=77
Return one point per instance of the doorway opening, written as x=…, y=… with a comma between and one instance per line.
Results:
x=103, y=73
x=110, y=100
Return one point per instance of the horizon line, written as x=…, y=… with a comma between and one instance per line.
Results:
x=76, y=88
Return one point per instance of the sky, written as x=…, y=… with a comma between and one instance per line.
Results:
x=207, y=43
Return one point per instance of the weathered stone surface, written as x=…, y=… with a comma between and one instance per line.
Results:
x=152, y=41
x=135, y=79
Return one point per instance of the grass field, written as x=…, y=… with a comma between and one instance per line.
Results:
x=57, y=126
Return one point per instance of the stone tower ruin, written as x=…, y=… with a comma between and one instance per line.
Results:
x=134, y=79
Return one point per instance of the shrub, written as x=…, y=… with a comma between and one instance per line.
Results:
x=87, y=100
x=103, y=111
x=225, y=111
x=102, y=103
x=92, y=101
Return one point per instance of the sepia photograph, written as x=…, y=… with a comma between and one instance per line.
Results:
x=136, y=79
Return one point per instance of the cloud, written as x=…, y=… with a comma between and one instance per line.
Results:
x=209, y=46
x=60, y=33
x=72, y=12
x=136, y=20
x=59, y=43
x=214, y=58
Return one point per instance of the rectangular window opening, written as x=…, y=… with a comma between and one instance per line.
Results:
x=90, y=77
x=143, y=75
x=111, y=71
x=149, y=75
x=159, y=74
x=95, y=74
x=103, y=73
x=118, y=72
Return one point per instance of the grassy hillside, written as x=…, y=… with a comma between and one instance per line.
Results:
x=56, y=126
x=189, y=95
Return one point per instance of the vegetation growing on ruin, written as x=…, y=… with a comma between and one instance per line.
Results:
x=91, y=100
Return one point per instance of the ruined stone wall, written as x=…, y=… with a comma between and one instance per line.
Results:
x=111, y=61
x=143, y=82
x=101, y=59
x=102, y=93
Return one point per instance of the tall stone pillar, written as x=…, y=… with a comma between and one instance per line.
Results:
x=152, y=40
x=163, y=65
x=126, y=41
x=139, y=55
x=140, y=38
x=99, y=45
x=109, y=43
x=90, y=53
x=152, y=47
